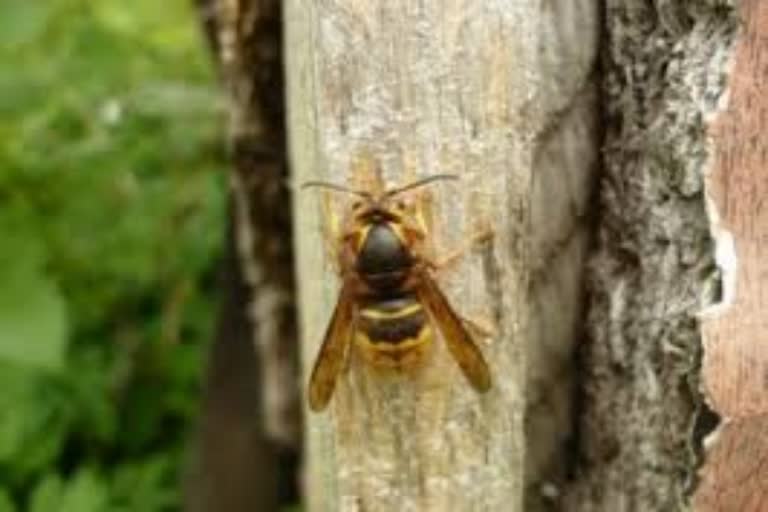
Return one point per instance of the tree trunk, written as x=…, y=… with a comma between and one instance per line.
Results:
x=501, y=94
x=643, y=419
x=251, y=427
x=236, y=461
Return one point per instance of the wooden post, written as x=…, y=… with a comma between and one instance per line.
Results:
x=500, y=93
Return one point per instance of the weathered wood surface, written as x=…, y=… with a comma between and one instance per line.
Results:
x=735, y=366
x=502, y=94
x=643, y=419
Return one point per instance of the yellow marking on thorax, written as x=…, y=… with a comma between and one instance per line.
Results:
x=362, y=237
x=397, y=229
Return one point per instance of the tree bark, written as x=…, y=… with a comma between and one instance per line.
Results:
x=643, y=419
x=502, y=94
x=250, y=52
x=235, y=467
x=251, y=427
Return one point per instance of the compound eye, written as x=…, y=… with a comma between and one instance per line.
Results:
x=357, y=205
x=400, y=205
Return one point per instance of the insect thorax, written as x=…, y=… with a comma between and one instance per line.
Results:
x=383, y=261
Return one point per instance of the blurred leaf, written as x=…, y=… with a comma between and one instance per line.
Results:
x=85, y=492
x=6, y=504
x=95, y=416
x=21, y=22
x=145, y=486
x=12, y=414
x=32, y=311
x=32, y=425
x=47, y=495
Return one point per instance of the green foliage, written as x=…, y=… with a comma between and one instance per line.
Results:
x=31, y=305
x=83, y=492
x=111, y=214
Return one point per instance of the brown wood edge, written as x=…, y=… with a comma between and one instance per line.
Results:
x=734, y=476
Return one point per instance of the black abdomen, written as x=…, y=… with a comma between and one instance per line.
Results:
x=392, y=320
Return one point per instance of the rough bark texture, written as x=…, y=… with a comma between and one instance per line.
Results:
x=235, y=467
x=251, y=429
x=250, y=42
x=735, y=366
x=502, y=94
x=642, y=418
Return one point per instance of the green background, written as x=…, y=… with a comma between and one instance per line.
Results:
x=111, y=221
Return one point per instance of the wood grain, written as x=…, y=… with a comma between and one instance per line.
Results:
x=735, y=366
x=736, y=473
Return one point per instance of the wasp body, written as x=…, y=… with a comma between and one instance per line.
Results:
x=392, y=327
x=389, y=301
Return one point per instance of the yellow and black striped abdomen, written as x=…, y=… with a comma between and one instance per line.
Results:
x=393, y=332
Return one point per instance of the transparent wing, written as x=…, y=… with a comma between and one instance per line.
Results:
x=460, y=343
x=333, y=352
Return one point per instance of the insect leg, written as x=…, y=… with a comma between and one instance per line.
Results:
x=453, y=257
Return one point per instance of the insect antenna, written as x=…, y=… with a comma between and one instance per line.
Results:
x=337, y=188
x=420, y=183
